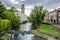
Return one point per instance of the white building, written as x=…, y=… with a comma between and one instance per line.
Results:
x=21, y=13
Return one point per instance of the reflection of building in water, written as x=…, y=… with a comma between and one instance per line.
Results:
x=21, y=13
x=53, y=16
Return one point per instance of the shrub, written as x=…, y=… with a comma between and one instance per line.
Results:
x=4, y=24
x=15, y=21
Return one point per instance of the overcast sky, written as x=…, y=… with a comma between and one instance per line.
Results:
x=29, y=4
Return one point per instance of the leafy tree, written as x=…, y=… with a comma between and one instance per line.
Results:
x=2, y=8
x=11, y=10
x=15, y=21
x=37, y=16
x=9, y=14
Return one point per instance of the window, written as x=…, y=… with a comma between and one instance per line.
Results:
x=59, y=15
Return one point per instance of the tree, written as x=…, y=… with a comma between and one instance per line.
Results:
x=11, y=10
x=37, y=16
x=2, y=8
x=9, y=15
x=15, y=21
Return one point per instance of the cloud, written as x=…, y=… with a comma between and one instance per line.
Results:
x=48, y=4
x=28, y=9
x=14, y=2
x=22, y=0
x=27, y=12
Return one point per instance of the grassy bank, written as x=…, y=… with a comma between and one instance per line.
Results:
x=48, y=29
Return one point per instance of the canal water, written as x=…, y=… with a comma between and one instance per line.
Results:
x=25, y=34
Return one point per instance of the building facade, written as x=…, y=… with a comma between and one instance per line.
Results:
x=21, y=13
x=53, y=16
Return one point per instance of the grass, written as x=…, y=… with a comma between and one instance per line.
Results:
x=48, y=29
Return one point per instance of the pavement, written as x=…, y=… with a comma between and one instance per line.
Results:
x=49, y=38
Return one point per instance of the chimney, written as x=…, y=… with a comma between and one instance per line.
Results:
x=22, y=8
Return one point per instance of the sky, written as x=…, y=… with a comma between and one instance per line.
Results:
x=29, y=4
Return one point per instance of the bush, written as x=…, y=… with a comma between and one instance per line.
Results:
x=15, y=21
x=4, y=24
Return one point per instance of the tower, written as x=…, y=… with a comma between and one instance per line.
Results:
x=22, y=8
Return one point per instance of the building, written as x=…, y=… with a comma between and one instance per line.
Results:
x=53, y=16
x=21, y=13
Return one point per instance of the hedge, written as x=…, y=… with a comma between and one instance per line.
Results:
x=4, y=24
